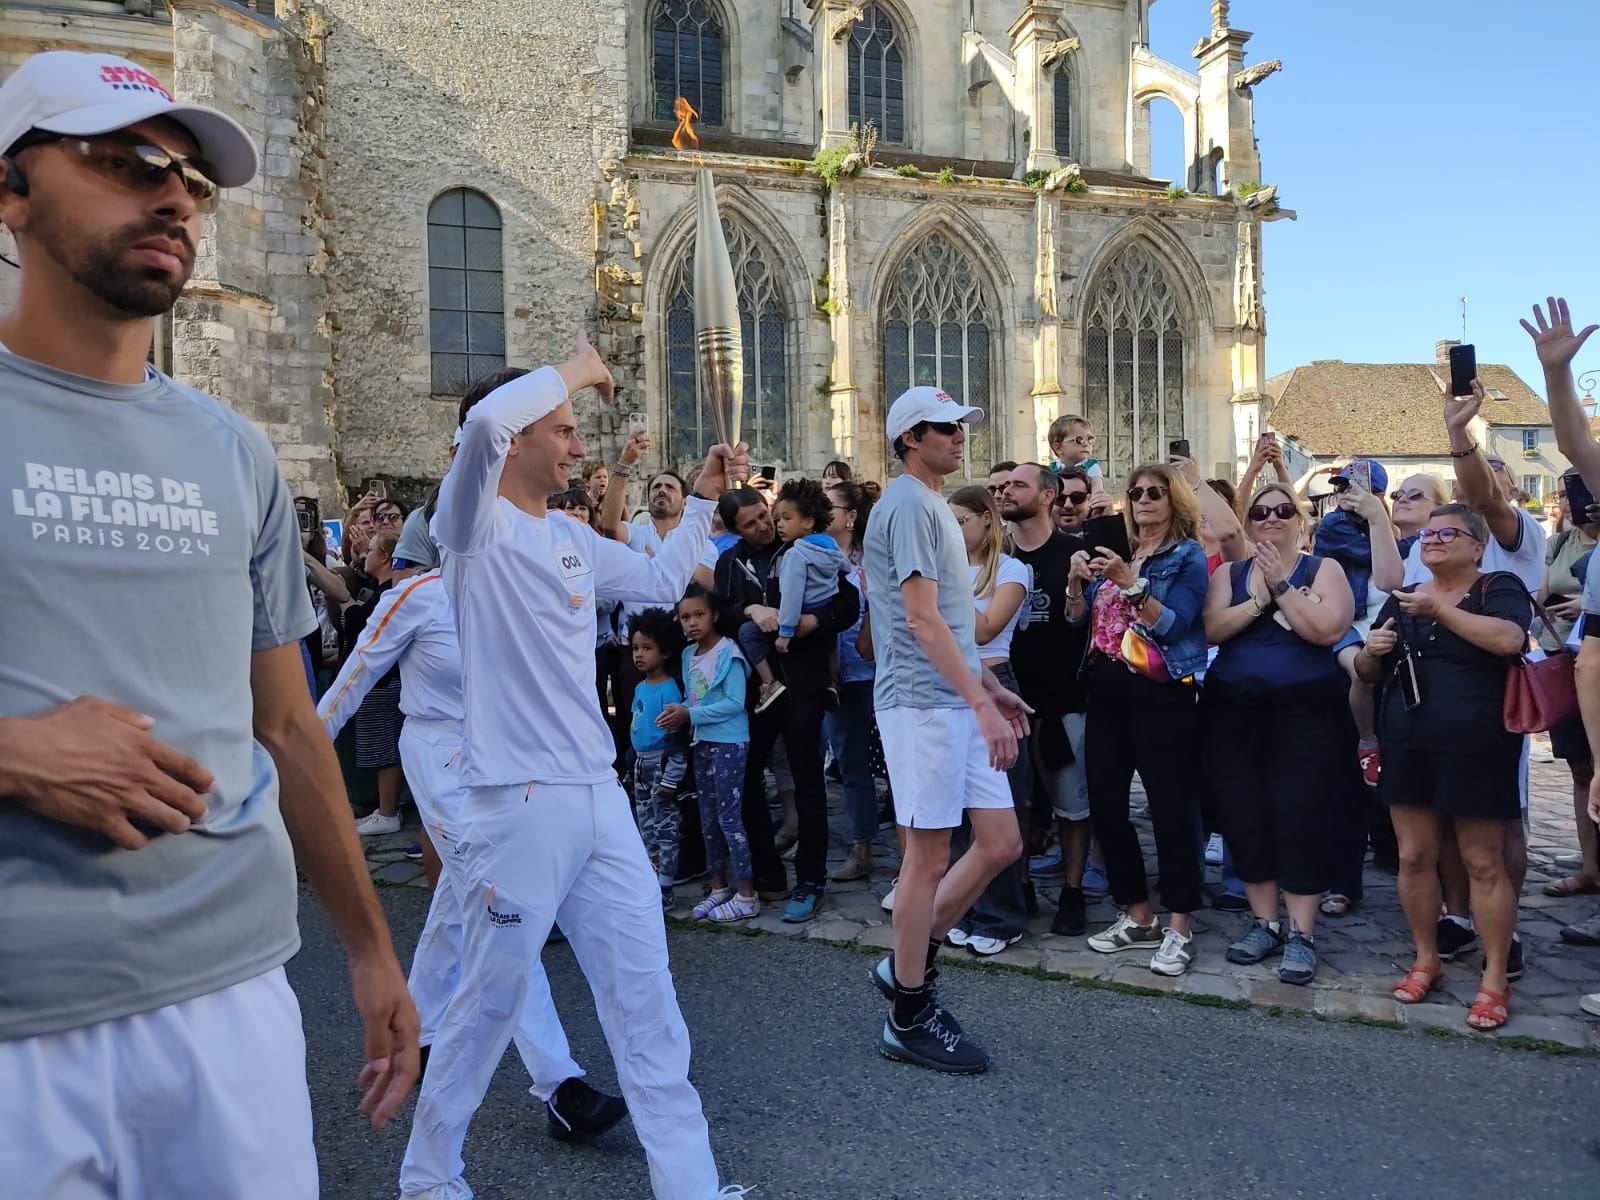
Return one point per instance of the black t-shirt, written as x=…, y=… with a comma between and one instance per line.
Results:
x=1462, y=687
x=1047, y=652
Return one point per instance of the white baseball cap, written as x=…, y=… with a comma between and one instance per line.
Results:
x=919, y=404
x=63, y=91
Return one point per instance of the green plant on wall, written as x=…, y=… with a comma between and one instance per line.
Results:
x=1077, y=186
x=1036, y=179
x=907, y=171
x=1177, y=193
x=946, y=175
x=1248, y=188
x=828, y=164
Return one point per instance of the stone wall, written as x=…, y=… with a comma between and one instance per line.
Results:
x=521, y=100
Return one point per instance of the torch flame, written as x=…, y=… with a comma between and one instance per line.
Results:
x=684, y=133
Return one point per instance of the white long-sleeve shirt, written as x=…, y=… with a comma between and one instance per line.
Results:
x=414, y=626
x=524, y=588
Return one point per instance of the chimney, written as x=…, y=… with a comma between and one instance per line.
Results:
x=1441, y=351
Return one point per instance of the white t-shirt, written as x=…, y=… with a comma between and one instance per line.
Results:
x=1011, y=570
x=523, y=589
x=1525, y=560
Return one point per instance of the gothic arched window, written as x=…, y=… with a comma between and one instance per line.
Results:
x=1133, y=363
x=687, y=57
x=1063, y=105
x=938, y=328
x=466, y=290
x=877, y=75
x=764, y=320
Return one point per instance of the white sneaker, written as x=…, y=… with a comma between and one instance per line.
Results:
x=375, y=824
x=735, y=908
x=958, y=936
x=1126, y=934
x=887, y=902
x=987, y=946
x=1175, y=955
x=1590, y=1004
x=1214, y=851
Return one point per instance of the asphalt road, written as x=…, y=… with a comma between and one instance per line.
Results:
x=1091, y=1094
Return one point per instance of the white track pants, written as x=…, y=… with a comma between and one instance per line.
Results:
x=197, y=1100
x=429, y=753
x=532, y=855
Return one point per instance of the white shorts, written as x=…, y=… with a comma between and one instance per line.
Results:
x=197, y=1100
x=939, y=766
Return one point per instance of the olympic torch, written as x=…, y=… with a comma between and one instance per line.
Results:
x=719, y=340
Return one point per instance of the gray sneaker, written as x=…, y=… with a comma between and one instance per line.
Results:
x=1262, y=940
x=1299, y=965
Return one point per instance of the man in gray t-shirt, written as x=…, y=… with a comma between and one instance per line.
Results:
x=949, y=730
x=152, y=697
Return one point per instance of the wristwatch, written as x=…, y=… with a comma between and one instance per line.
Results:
x=1138, y=592
x=1279, y=588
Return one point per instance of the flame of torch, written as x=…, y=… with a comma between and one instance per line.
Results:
x=684, y=133
x=718, y=337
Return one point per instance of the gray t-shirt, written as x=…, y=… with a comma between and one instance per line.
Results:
x=416, y=542
x=150, y=545
x=913, y=532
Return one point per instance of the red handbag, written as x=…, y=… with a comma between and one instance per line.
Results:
x=1542, y=693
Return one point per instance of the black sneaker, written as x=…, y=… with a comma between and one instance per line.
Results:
x=1070, y=920
x=1514, y=960
x=1455, y=939
x=1229, y=903
x=931, y=1043
x=578, y=1112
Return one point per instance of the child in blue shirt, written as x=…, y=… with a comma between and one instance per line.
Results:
x=713, y=711
x=661, y=756
x=809, y=567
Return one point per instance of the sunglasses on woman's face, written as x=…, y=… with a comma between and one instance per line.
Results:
x=1260, y=512
x=1444, y=536
x=1400, y=494
x=1154, y=492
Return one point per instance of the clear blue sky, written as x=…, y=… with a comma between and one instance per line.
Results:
x=1433, y=149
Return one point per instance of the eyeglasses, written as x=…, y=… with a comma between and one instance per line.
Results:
x=1496, y=464
x=1077, y=498
x=1400, y=494
x=963, y=518
x=388, y=518
x=1155, y=492
x=1082, y=439
x=1260, y=512
x=1444, y=536
x=138, y=166
x=994, y=489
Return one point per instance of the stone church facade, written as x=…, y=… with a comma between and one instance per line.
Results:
x=915, y=191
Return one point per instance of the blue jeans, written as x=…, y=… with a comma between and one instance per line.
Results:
x=719, y=775
x=849, y=734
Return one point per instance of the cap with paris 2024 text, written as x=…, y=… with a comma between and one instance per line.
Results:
x=63, y=91
x=919, y=404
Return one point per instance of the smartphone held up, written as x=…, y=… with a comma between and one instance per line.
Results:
x=1463, y=369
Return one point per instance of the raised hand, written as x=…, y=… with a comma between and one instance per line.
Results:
x=1270, y=563
x=635, y=448
x=1553, y=340
x=593, y=369
x=1460, y=410
x=725, y=466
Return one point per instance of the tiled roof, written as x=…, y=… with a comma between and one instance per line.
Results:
x=1335, y=407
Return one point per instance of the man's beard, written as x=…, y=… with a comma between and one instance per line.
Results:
x=662, y=509
x=1018, y=513
x=135, y=292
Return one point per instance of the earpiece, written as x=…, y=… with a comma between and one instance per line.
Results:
x=16, y=181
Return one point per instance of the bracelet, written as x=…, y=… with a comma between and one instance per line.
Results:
x=1073, y=598
x=623, y=469
x=1467, y=453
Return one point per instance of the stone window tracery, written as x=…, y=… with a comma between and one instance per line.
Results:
x=939, y=329
x=877, y=75
x=688, y=54
x=764, y=321
x=466, y=290
x=1133, y=363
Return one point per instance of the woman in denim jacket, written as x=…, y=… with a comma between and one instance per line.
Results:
x=1142, y=717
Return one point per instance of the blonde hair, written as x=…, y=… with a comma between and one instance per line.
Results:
x=1185, y=524
x=976, y=499
x=385, y=543
x=1432, y=486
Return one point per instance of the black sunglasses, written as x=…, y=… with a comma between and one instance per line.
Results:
x=1260, y=512
x=134, y=165
x=1077, y=498
x=1155, y=492
x=948, y=428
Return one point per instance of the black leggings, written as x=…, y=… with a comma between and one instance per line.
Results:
x=1136, y=724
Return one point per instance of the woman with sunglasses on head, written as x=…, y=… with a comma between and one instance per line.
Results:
x=1276, y=726
x=1439, y=652
x=1411, y=503
x=1147, y=642
x=1000, y=585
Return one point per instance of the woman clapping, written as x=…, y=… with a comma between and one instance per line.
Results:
x=1439, y=652
x=1276, y=730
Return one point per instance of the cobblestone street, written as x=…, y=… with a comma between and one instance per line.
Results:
x=1360, y=955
